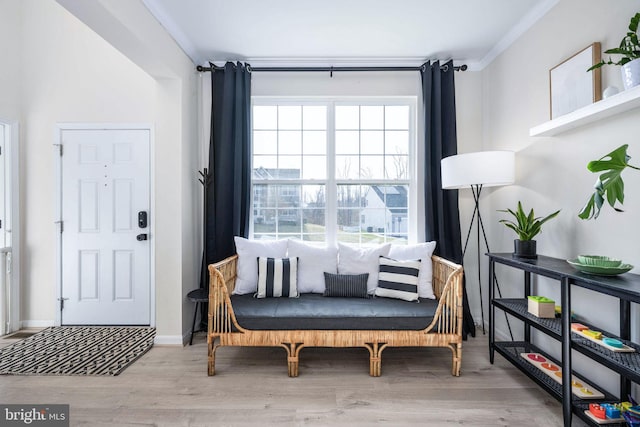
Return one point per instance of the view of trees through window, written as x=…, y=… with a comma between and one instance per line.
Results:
x=331, y=171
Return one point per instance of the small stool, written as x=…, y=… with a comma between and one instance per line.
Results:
x=198, y=296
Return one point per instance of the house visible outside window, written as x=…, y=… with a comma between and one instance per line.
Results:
x=334, y=170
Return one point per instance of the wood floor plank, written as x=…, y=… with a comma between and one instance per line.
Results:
x=169, y=386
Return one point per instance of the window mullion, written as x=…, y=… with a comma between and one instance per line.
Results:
x=331, y=212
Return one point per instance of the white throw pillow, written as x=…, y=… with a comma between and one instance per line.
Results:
x=248, y=253
x=313, y=262
x=355, y=260
x=423, y=252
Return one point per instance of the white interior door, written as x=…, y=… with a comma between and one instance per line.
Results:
x=105, y=242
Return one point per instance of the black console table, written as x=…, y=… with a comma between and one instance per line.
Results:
x=625, y=287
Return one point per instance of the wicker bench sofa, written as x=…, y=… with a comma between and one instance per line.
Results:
x=316, y=321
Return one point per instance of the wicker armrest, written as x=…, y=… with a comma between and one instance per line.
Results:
x=222, y=278
x=447, y=286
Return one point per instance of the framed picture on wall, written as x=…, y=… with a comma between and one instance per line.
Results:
x=571, y=85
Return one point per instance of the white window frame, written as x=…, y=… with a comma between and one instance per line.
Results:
x=331, y=182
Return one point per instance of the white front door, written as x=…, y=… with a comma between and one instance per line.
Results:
x=105, y=247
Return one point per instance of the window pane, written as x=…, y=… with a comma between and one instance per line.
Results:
x=264, y=221
x=314, y=167
x=289, y=167
x=264, y=236
x=264, y=196
x=265, y=167
x=290, y=142
x=347, y=167
x=290, y=117
x=347, y=117
x=344, y=237
x=265, y=117
x=349, y=220
x=313, y=220
x=289, y=196
x=314, y=196
x=289, y=221
x=314, y=142
x=397, y=167
x=349, y=196
x=314, y=117
x=371, y=117
x=265, y=142
x=347, y=142
x=371, y=167
x=396, y=117
x=396, y=142
x=313, y=237
x=371, y=142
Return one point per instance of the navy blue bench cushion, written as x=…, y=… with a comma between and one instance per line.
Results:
x=313, y=311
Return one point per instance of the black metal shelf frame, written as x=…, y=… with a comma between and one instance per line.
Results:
x=626, y=288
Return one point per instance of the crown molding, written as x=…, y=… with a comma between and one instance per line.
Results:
x=173, y=30
x=527, y=21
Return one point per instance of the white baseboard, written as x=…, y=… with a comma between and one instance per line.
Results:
x=170, y=340
x=36, y=324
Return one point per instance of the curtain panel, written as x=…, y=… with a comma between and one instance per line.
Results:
x=442, y=220
x=228, y=194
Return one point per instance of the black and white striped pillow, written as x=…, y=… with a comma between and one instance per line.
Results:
x=277, y=277
x=398, y=279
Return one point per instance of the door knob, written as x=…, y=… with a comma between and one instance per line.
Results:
x=141, y=237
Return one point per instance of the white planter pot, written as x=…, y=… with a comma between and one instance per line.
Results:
x=631, y=74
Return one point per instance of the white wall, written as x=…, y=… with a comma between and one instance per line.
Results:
x=551, y=172
x=60, y=70
x=10, y=58
x=68, y=74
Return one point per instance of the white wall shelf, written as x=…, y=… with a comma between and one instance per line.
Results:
x=618, y=103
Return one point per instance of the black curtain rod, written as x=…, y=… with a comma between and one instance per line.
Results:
x=330, y=70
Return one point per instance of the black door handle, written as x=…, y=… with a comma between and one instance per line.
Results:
x=141, y=237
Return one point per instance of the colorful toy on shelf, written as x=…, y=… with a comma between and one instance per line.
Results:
x=597, y=337
x=606, y=413
x=558, y=310
x=541, y=307
x=578, y=327
x=578, y=388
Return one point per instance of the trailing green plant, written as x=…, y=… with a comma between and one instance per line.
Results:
x=609, y=186
x=629, y=46
x=526, y=226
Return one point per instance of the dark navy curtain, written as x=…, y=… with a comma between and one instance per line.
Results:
x=442, y=220
x=228, y=193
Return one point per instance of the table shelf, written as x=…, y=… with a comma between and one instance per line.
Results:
x=626, y=288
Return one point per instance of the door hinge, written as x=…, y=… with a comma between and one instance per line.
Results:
x=59, y=148
x=61, y=225
x=62, y=300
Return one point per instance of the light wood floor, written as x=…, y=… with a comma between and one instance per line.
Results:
x=169, y=386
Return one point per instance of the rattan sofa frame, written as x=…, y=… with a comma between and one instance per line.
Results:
x=444, y=331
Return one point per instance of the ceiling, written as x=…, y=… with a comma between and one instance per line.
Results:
x=346, y=32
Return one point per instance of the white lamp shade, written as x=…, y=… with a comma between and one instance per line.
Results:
x=486, y=168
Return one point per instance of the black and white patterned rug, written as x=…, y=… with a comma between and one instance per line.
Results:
x=77, y=350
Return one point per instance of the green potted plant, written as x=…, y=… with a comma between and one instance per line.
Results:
x=609, y=185
x=526, y=226
x=630, y=60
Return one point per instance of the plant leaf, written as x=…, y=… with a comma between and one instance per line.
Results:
x=609, y=186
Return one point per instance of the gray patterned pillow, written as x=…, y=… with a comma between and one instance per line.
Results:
x=346, y=285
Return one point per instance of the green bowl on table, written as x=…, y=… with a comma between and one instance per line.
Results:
x=599, y=270
x=598, y=261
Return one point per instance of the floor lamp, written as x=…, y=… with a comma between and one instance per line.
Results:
x=475, y=171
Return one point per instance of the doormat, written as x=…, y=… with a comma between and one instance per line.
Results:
x=77, y=350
